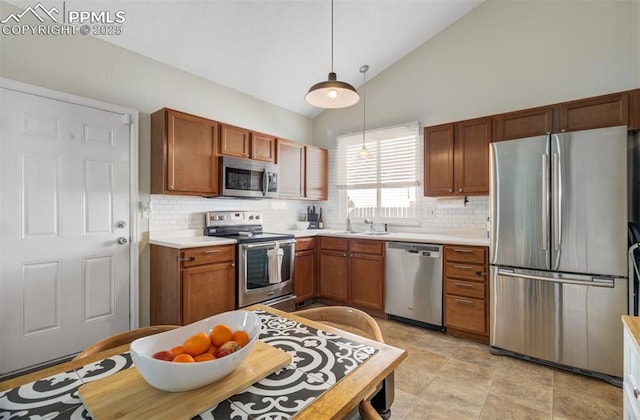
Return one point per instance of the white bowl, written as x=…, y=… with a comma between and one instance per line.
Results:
x=302, y=225
x=177, y=377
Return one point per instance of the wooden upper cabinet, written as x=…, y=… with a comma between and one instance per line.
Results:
x=316, y=172
x=471, y=158
x=183, y=154
x=634, y=124
x=291, y=168
x=456, y=158
x=597, y=112
x=525, y=123
x=438, y=159
x=234, y=141
x=263, y=147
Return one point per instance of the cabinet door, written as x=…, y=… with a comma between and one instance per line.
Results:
x=366, y=281
x=207, y=290
x=471, y=156
x=304, y=275
x=598, y=112
x=290, y=160
x=189, y=160
x=333, y=275
x=263, y=147
x=234, y=141
x=465, y=314
x=438, y=160
x=521, y=124
x=635, y=110
x=317, y=167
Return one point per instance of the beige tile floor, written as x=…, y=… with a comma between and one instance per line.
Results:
x=445, y=377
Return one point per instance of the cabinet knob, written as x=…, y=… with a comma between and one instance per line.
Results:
x=344, y=255
x=450, y=189
x=233, y=264
x=459, y=189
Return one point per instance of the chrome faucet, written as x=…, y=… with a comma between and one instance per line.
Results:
x=369, y=222
x=348, y=228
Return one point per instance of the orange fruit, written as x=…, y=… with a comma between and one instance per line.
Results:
x=196, y=344
x=183, y=358
x=240, y=337
x=220, y=334
x=177, y=350
x=212, y=349
x=204, y=357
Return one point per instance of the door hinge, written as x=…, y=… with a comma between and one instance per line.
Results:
x=127, y=119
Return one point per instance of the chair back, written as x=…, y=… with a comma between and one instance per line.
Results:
x=123, y=338
x=343, y=317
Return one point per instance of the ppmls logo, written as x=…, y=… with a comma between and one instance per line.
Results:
x=36, y=11
x=103, y=22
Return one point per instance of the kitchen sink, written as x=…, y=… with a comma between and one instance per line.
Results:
x=374, y=233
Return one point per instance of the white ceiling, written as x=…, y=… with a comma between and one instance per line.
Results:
x=275, y=50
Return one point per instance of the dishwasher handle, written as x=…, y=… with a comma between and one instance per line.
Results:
x=419, y=253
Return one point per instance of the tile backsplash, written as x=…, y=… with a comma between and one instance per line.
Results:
x=169, y=212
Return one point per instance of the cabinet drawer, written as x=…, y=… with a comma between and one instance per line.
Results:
x=465, y=271
x=305, y=244
x=469, y=254
x=338, y=244
x=465, y=288
x=465, y=314
x=366, y=246
x=207, y=255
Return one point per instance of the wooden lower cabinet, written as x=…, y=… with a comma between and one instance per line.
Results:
x=304, y=269
x=191, y=284
x=352, y=272
x=466, y=302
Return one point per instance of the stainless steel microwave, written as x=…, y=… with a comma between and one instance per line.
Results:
x=248, y=178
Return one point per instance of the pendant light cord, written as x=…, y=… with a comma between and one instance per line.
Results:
x=364, y=107
x=331, y=36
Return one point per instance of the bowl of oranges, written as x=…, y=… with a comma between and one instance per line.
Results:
x=197, y=354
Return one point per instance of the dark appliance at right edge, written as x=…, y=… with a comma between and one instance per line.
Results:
x=558, y=250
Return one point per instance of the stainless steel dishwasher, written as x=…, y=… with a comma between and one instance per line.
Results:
x=413, y=283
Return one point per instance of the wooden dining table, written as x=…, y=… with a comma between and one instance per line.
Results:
x=359, y=366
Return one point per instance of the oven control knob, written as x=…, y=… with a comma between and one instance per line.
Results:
x=257, y=216
x=251, y=217
x=223, y=217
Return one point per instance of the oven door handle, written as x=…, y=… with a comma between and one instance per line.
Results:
x=269, y=244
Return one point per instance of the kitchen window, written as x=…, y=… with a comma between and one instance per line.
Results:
x=385, y=185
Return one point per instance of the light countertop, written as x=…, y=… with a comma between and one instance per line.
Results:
x=187, y=239
x=633, y=326
x=192, y=239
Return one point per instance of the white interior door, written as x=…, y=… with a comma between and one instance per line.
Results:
x=65, y=232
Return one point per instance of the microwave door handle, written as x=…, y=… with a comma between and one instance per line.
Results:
x=265, y=182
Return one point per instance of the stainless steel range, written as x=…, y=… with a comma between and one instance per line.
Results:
x=264, y=261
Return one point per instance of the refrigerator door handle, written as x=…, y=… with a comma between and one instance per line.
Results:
x=597, y=282
x=545, y=202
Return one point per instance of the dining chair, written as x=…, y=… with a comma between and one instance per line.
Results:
x=123, y=338
x=354, y=321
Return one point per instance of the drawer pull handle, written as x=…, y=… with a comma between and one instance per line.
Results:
x=463, y=267
x=211, y=251
x=481, y=273
x=467, y=285
x=465, y=301
x=636, y=392
x=186, y=259
x=463, y=251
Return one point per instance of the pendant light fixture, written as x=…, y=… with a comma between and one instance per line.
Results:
x=332, y=94
x=364, y=152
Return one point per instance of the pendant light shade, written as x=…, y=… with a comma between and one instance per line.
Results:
x=364, y=152
x=332, y=93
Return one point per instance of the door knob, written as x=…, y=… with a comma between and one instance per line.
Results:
x=122, y=240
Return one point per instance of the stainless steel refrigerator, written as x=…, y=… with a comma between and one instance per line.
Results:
x=558, y=249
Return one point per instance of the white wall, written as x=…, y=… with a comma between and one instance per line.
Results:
x=92, y=68
x=502, y=56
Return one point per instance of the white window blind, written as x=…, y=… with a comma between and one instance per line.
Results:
x=383, y=186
